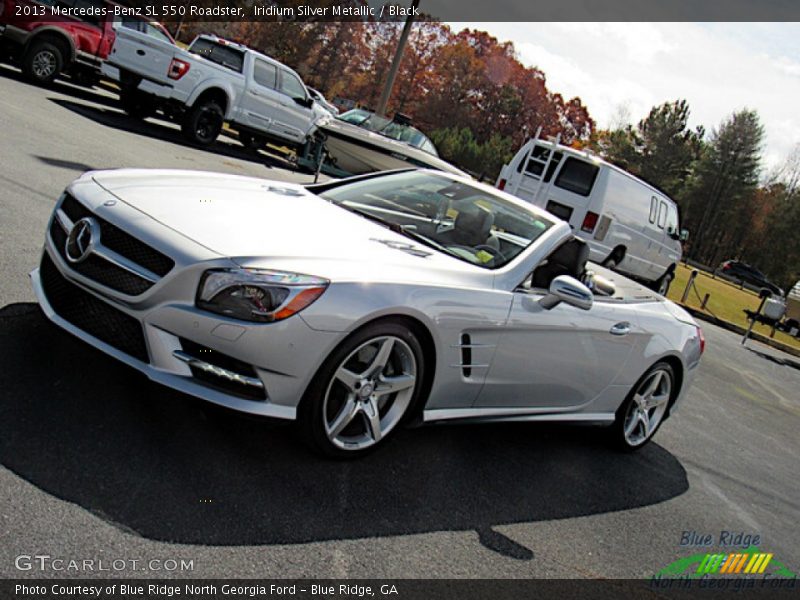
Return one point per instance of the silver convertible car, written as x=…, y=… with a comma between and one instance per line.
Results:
x=356, y=305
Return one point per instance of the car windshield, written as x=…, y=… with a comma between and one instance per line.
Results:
x=456, y=218
x=391, y=129
x=355, y=116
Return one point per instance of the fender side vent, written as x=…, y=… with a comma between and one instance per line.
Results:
x=466, y=354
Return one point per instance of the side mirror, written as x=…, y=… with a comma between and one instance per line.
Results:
x=307, y=102
x=684, y=235
x=569, y=290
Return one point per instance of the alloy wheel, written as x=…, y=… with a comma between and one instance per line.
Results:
x=649, y=404
x=44, y=64
x=369, y=393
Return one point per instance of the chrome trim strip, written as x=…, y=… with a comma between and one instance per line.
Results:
x=124, y=263
x=513, y=414
x=218, y=371
x=473, y=346
x=461, y=366
x=64, y=220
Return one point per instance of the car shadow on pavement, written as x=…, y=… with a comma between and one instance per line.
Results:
x=114, y=117
x=62, y=86
x=89, y=430
x=64, y=164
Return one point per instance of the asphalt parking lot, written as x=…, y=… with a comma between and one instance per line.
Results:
x=98, y=463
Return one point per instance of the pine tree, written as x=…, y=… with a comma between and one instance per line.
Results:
x=727, y=177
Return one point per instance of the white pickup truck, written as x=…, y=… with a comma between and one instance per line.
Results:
x=212, y=82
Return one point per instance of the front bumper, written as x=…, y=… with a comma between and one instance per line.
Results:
x=283, y=356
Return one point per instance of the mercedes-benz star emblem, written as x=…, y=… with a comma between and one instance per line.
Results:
x=82, y=238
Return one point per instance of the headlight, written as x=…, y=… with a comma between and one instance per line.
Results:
x=257, y=294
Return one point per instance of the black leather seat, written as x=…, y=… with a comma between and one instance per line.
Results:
x=472, y=227
x=568, y=259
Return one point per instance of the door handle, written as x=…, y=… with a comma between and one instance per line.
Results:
x=623, y=328
x=141, y=52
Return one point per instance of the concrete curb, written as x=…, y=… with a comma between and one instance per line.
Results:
x=695, y=312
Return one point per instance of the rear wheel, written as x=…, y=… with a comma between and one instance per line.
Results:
x=251, y=142
x=86, y=78
x=661, y=285
x=363, y=391
x=614, y=259
x=203, y=122
x=42, y=62
x=136, y=104
x=644, y=409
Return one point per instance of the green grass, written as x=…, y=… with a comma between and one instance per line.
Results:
x=726, y=301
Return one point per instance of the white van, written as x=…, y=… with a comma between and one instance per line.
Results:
x=629, y=225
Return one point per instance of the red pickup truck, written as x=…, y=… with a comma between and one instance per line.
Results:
x=49, y=37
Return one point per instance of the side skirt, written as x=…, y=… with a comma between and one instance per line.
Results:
x=495, y=415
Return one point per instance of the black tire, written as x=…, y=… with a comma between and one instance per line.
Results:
x=661, y=285
x=252, y=142
x=85, y=78
x=203, y=123
x=614, y=259
x=136, y=104
x=42, y=62
x=313, y=412
x=617, y=433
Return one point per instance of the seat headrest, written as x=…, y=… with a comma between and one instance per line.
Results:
x=572, y=256
x=473, y=225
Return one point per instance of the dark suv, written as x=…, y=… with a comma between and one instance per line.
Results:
x=742, y=272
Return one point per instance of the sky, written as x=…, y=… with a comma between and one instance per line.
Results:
x=719, y=68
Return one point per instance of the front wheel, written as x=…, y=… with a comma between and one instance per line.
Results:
x=203, y=123
x=644, y=409
x=363, y=391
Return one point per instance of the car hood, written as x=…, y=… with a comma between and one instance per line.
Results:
x=259, y=222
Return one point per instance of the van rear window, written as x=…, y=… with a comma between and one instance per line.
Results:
x=538, y=160
x=577, y=176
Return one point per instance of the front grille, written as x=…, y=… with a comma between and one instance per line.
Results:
x=119, y=241
x=74, y=209
x=89, y=314
x=224, y=361
x=99, y=269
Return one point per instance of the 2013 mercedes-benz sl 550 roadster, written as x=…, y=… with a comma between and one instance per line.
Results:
x=355, y=305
